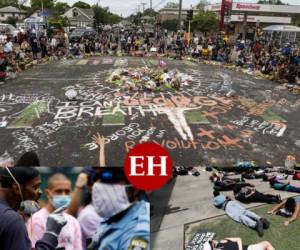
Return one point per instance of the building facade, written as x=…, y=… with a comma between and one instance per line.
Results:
x=11, y=11
x=262, y=14
x=256, y=14
x=80, y=17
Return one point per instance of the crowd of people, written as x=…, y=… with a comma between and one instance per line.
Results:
x=102, y=210
x=266, y=58
x=244, y=192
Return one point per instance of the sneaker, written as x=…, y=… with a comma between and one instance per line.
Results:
x=278, y=198
x=265, y=222
x=260, y=228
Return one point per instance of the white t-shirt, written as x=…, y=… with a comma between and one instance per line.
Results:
x=8, y=47
x=53, y=42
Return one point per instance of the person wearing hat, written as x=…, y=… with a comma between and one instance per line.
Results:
x=240, y=214
x=126, y=215
x=19, y=192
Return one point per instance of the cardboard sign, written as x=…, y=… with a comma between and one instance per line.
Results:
x=199, y=239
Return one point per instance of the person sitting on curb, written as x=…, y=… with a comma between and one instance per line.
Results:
x=240, y=214
x=289, y=207
x=236, y=244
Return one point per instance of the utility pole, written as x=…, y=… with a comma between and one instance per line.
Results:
x=150, y=4
x=222, y=15
x=179, y=15
x=245, y=25
x=143, y=4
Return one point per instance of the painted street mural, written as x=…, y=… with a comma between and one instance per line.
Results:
x=217, y=117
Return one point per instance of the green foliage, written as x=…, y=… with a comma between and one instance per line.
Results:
x=11, y=20
x=276, y=2
x=296, y=20
x=60, y=8
x=104, y=16
x=205, y=21
x=9, y=3
x=149, y=12
x=172, y=5
x=81, y=5
x=37, y=4
x=202, y=4
x=169, y=25
x=59, y=22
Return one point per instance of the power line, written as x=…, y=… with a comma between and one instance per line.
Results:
x=143, y=4
x=160, y=3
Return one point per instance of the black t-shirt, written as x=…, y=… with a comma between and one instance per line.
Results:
x=13, y=233
x=229, y=245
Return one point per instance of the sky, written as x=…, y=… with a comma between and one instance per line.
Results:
x=127, y=7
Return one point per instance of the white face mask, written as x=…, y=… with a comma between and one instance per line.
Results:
x=109, y=199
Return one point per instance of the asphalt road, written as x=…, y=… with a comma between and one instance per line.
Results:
x=220, y=117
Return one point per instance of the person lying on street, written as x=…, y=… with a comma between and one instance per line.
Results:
x=240, y=214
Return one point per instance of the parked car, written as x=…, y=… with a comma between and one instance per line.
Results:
x=78, y=33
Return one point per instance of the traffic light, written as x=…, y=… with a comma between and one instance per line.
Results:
x=226, y=9
x=190, y=15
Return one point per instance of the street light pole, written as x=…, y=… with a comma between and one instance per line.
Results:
x=179, y=15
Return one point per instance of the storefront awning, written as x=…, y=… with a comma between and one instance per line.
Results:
x=282, y=28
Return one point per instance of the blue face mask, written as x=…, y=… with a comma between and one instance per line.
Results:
x=61, y=200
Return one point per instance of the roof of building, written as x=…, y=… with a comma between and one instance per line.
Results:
x=88, y=12
x=11, y=9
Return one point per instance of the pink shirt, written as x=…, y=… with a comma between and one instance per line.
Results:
x=69, y=237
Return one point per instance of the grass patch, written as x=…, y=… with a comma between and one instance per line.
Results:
x=29, y=115
x=271, y=117
x=281, y=237
x=116, y=119
x=195, y=117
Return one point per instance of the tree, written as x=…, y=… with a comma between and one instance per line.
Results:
x=172, y=5
x=81, y=5
x=202, y=4
x=276, y=2
x=169, y=25
x=104, y=16
x=11, y=20
x=149, y=12
x=10, y=3
x=205, y=21
x=37, y=4
x=60, y=8
x=296, y=20
x=59, y=23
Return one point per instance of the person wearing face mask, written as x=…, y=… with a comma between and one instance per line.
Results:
x=19, y=193
x=126, y=217
x=58, y=194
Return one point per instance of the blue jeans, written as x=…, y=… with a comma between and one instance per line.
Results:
x=240, y=214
